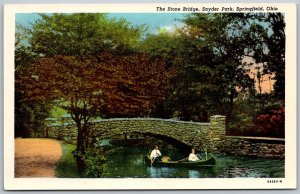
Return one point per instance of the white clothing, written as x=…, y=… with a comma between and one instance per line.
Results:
x=155, y=153
x=193, y=157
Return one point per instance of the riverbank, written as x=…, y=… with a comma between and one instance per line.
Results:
x=36, y=157
x=66, y=167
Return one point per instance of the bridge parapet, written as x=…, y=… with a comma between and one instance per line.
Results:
x=149, y=119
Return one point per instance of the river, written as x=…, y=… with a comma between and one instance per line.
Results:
x=128, y=162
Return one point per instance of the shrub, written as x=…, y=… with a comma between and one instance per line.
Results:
x=271, y=122
x=95, y=163
x=253, y=116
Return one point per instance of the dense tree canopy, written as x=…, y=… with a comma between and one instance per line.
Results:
x=208, y=53
x=81, y=34
x=122, y=85
x=228, y=36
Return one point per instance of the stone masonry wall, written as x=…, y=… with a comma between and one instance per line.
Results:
x=216, y=133
x=203, y=136
x=253, y=146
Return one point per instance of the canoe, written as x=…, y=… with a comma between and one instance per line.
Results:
x=200, y=163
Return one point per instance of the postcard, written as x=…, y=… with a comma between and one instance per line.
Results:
x=149, y=96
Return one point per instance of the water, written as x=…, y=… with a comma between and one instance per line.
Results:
x=129, y=162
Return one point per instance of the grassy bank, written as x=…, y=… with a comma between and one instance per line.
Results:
x=66, y=167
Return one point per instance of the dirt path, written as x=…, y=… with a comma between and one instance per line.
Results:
x=36, y=157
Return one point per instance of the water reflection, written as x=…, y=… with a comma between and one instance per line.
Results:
x=194, y=174
x=239, y=172
x=161, y=172
x=129, y=162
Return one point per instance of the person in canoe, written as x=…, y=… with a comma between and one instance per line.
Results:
x=155, y=154
x=193, y=157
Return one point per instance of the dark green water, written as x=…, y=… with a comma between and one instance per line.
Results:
x=128, y=162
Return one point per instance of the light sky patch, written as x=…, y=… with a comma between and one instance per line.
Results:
x=153, y=21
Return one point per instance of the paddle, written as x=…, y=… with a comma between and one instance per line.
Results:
x=183, y=160
x=200, y=157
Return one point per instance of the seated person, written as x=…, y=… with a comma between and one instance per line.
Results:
x=165, y=159
x=155, y=153
x=193, y=157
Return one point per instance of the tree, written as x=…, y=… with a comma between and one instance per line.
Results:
x=273, y=54
x=62, y=70
x=96, y=85
x=29, y=117
x=137, y=84
x=189, y=57
x=164, y=46
x=232, y=37
x=207, y=54
x=168, y=47
x=82, y=34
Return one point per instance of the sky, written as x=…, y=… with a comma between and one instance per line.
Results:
x=154, y=21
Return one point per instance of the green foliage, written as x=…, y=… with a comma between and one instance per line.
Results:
x=225, y=37
x=23, y=51
x=207, y=54
x=30, y=119
x=95, y=163
x=245, y=110
x=163, y=46
x=81, y=34
x=66, y=167
x=57, y=112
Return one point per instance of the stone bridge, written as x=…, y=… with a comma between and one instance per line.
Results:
x=177, y=133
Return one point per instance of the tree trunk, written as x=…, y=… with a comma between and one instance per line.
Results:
x=80, y=164
x=80, y=148
x=88, y=135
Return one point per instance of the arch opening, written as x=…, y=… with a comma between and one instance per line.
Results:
x=183, y=147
